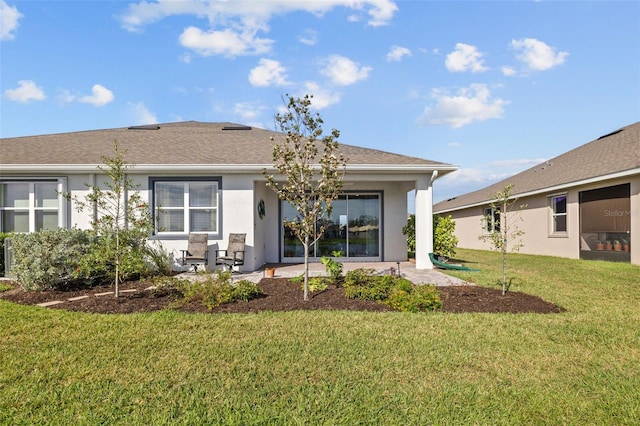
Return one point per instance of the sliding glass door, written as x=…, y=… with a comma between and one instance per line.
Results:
x=351, y=231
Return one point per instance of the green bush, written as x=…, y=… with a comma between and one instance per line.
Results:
x=333, y=268
x=362, y=284
x=246, y=290
x=3, y=235
x=50, y=259
x=216, y=289
x=415, y=298
x=444, y=238
x=396, y=292
x=98, y=264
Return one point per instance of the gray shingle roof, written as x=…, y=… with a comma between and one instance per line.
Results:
x=182, y=143
x=616, y=152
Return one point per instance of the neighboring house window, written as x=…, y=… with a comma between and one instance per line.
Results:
x=183, y=206
x=559, y=214
x=491, y=220
x=29, y=206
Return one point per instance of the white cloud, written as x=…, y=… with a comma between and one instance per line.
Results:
x=508, y=71
x=469, y=104
x=343, y=71
x=142, y=114
x=268, y=73
x=145, y=12
x=465, y=58
x=26, y=91
x=468, y=179
x=248, y=111
x=9, y=17
x=310, y=37
x=322, y=98
x=100, y=96
x=226, y=42
x=397, y=53
x=537, y=55
x=235, y=25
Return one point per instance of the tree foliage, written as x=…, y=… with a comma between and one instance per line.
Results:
x=444, y=238
x=507, y=237
x=409, y=230
x=311, y=169
x=121, y=221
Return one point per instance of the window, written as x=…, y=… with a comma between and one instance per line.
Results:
x=29, y=206
x=182, y=206
x=559, y=214
x=352, y=229
x=490, y=220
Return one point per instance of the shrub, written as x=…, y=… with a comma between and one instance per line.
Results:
x=396, y=292
x=362, y=284
x=216, y=289
x=415, y=298
x=246, y=290
x=444, y=239
x=317, y=284
x=50, y=259
x=333, y=268
x=3, y=235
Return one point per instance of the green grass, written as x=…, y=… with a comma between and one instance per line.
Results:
x=579, y=367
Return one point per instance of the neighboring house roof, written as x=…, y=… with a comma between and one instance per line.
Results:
x=614, y=154
x=189, y=145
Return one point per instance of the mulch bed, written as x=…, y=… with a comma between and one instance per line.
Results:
x=280, y=295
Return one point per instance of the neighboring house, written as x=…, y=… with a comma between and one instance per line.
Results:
x=588, y=195
x=208, y=178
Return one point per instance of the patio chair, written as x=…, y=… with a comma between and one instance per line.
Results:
x=234, y=254
x=197, y=251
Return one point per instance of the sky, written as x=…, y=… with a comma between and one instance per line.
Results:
x=494, y=87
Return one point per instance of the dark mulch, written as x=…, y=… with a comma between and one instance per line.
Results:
x=279, y=295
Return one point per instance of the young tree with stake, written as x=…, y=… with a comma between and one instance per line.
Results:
x=312, y=171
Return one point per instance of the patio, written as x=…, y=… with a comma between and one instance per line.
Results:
x=407, y=270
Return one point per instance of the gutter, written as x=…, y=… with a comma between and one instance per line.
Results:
x=555, y=188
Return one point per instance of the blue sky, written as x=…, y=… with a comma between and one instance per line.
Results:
x=493, y=87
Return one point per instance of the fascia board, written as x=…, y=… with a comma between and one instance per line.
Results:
x=555, y=188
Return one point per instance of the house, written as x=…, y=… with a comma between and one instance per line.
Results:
x=208, y=178
x=575, y=203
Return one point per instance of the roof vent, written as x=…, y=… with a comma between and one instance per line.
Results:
x=610, y=134
x=236, y=128
x=145, y=127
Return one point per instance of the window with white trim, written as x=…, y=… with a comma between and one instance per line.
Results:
x=29, y=206
x=183, y=206
x=490, y=220
x=559, y=214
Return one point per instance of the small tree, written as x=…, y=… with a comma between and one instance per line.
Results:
x=121, y=220
x=312, y=172
x=444, y=238
x=409, y=230
x=506, y=236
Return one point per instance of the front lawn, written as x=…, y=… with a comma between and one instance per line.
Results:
x=325, y=367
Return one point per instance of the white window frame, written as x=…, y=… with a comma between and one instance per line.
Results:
x=31, y=208
x=186, y=208
x=490, y=213
x=553, y=215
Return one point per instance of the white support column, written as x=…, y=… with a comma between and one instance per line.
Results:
x=424, y=221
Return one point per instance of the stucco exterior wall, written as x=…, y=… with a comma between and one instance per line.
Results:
x=536, y=222
x=240, y=195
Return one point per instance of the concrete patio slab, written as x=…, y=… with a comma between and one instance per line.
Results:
x=407, y=270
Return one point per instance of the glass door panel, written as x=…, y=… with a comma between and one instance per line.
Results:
x=334, y=237
x=364, y=226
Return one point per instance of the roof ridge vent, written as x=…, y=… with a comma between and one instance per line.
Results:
x=145, y=127
x=236, y=128
x=610, y=134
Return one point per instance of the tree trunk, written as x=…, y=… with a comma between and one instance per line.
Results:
x=305, y=244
